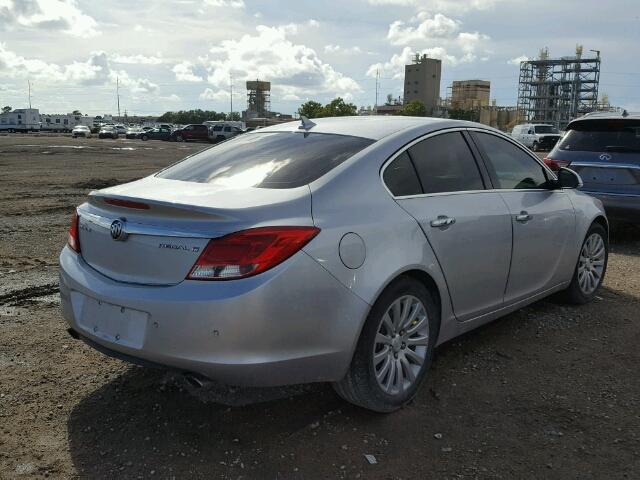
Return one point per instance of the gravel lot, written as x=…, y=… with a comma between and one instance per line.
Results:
x=547, y=392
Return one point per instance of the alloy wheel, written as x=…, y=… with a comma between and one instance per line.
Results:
x=591, y=263
x=401, y=345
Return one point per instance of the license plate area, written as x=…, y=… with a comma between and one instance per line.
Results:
x=109, y=322
x=607, y=176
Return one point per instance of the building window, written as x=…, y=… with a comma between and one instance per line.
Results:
x=19, y=117
x=57, y=120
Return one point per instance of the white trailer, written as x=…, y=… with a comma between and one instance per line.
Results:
x=20, y=120
x=63, y=122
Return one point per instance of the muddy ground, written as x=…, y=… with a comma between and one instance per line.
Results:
x=548, y=392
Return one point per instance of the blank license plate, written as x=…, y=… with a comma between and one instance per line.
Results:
x=113, y=323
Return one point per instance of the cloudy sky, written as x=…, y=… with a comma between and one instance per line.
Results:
x=181, y=54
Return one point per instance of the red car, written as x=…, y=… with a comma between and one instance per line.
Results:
x=191, y=132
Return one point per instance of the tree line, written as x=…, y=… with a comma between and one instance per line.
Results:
x=184, y=117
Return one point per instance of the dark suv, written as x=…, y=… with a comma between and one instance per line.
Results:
x=191, y=132
x=604, y=148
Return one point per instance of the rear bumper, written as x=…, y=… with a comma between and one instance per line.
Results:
x=619, y=206
x=293, y=324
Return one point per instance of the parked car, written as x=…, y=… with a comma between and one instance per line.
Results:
x=122, y=130
x=107, y=131
x=220, y=132
x=190, y=133
x=344, y=250
x=133, y=132
x=161, y=133
x=604, y=148
x=536, y=136
x=81, y=131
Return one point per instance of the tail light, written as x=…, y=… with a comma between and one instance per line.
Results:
x=249, y=252
x=555, y=165
x=73, y=240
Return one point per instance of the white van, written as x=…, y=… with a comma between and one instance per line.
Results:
x=536, y=136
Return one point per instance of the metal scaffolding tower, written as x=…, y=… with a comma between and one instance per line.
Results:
x=556, y=91
x=258, y=99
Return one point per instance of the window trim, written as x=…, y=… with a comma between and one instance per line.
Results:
x=405, y=148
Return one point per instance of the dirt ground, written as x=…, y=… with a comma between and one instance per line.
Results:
x=550, y=391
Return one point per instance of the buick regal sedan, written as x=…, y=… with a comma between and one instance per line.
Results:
x=340, y=251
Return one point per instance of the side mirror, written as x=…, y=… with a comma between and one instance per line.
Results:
x=568, y=178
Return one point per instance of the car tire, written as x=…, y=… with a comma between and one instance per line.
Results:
x=144, y=137
x=179, y=138
x=590, y=268
x=372, y=381
x=535, y=147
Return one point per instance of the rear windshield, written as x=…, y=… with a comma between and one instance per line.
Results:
x=603, y=136
x=267, y=160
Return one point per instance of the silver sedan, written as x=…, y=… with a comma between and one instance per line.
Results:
x=339, y=249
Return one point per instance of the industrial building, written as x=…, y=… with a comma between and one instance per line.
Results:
x=555, y=91
x=470, y=94
x=422, y=82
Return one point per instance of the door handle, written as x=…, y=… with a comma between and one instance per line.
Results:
x=443, y=221
x=523, y=217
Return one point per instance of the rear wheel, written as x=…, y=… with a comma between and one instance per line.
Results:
x=535, y=147
x=179, y=138
x=395, y=348
x=591, y=267
x=145, y=137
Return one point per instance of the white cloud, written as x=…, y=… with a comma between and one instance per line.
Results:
x=218, y=96
x=96, y=70
x=137, y=59
x=63, y=15
x=184, y=72
x=337, y=49
x=517, y=60
x=439, y=26
x=271, y=56
x=225, y=3
x=442, y=5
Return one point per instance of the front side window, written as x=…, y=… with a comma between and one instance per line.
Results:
x=509, y=166
x=268, y=160
x=445, y=164
x=217, y=128
x=401, y=177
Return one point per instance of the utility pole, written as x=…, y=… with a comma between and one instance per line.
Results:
x=377, y=77
x=118, y=95
x=231, y=96
x=29, y=83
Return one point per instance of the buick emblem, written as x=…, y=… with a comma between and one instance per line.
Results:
x=605, y=157
x=117, y=230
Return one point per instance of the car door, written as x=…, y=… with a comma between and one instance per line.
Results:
x=542, y=218
x=201, y=132
x=467, y=226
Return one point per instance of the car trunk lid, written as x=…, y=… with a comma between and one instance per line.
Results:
x=153, y=230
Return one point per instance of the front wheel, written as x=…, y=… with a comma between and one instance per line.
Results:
x=145, y=137
x=179, y=138
x=395, y=348
x=535, y=147
x=592, y=265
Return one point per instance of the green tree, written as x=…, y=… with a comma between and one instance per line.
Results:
x=460, y=114
x=184, y=117
x=415, y=108
x=6, y=109
x=339, y=108
x=311, y=109
x=76, y=112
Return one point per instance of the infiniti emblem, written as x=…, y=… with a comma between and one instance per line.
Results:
x=117, y=230
x=605, y=157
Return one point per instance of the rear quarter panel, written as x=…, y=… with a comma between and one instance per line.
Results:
x=353, y=199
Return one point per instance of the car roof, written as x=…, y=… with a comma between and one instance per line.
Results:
x=623, y=115
x=373, y=127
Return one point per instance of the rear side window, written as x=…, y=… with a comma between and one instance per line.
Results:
x=217, y=128
x=401, y=178
x=445, y=164
x=509, y=166
x=267, y=160
x=614, y=135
